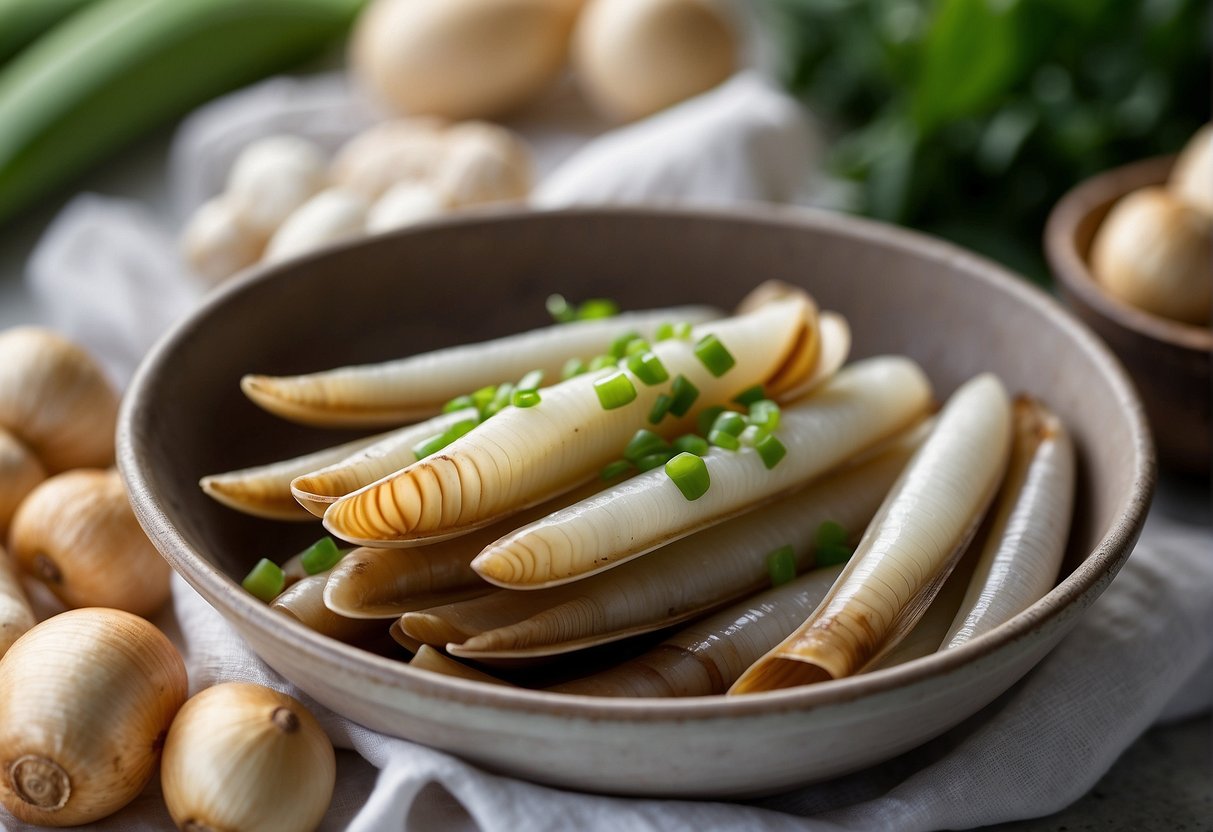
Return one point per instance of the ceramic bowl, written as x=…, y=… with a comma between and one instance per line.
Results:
x=1170, y=362
x=477, y=277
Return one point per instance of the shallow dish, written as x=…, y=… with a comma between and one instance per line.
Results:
x=479, y=277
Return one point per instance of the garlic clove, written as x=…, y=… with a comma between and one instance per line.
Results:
x=403, y=205
x=401, y=150
x=216, y=243
x=244, y=757
x=86, y=699
x=271, y=178
x=56, y=400
x=328, y=217
x=20, y=471
x=484, y=163
x=1152, y=251
x=77, y=534
x=16, y=617
x=1192, y=177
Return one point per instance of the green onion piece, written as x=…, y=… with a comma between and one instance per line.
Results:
x=832, y=555
x=483, y=397
x=320, y=556
x=771, y=450
x=724, y=439
x=654, y=460
x=781, y=564
x=750, y=395
x=648, y=368
x=682, y=331
x=614, y=391
x=664, y=331
x=595, y=308
x=661, y=406
x=635, y=347
x=619, y=347
x=684, y=394
x=265, y=580
x=614, y=469
x=765, y=414
x=559, y=309
x=430, y=446
x=713, y=355
x=525, y=398
x=692, y=444
x=458, y=403
x=643, y=443
x=707, y=418
x=750, y=436
x=573, y=367
x=530, y=381
x=690, y=473
x=830, y=533
x=729, y=422
x=601, y=362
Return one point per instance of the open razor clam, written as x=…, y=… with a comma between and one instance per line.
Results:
x=523, y=456
x=908, y=550
x=685, y=579
x=407, y=389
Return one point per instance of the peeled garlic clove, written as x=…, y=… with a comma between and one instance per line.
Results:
x=20, y=471
x=56, y=400
x=327, y=217
x=635, y=57
x=86, y=699
x=244, y=757
x=77, y=534
x=216, y=243
x=1191, y=179
x=271, y=178
x=402, y=150
x=404, y=204
x=1153, y=251
x=484, y=163
x=15, y=614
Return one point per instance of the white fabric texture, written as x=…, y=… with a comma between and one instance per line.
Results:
x=109, y=276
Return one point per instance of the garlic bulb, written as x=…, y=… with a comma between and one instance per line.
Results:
x=329, y=216
x=77, y=534
x=461, y=58
x=271, y=178
x=1153, y=251
x=216, y=244
x=55, y=399
x=635, y=57
x=484, y=163
x=401, y=150
x=86, y=699
x=20, y=471
x=15, y=614
x=404, y=204
x=243, y=757
x=1192, y=178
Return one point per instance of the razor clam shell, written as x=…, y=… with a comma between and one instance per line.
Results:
x=434, y=661
x=304, y=601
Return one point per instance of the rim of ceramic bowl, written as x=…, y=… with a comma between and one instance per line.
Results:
x=1069, y=263
x=1100, y=565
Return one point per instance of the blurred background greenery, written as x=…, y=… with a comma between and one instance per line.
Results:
x=969, y=118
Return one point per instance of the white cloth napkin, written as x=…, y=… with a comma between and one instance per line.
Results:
x=107, y=272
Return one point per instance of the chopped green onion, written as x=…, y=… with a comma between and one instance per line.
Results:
x=771, y=450
x=560, y=310
x=614, y=391
x=713, y=355
x=648, y=368
x=832, y=555
x=684, y=394
x=729, y=422
x=664, y=331
x=601, y=362
x=707, y=418
x=654, y=460
x=619, y=347
x=483, y=397
x=765, y=414
x=525, y=398
x=830, y=533
x=530, y=381
x=614, y=469
x=682, y=331
x=320, y=556
x=459, y=429
x=501, y=399
x=692, y=444
x=781, y=564
x=750, y=436
x=265, y=580
x=458, y=403
x=430, y=446
x=661, y=406
x=724, y=439
x=643, y=443
x=635, y=347
x=573, y=367
x=690, y=473
x=750, y=395
x=596, y=308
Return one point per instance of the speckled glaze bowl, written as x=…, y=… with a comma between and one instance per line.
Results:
x=482, y=276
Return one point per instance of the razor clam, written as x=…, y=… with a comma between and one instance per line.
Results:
x=523, y=456
x=434, y=661
x=406, y=389
x=908, y=550
x=857, y=408
x=317, y=487
x=706, y=657
x=265, y=490
x=406, y=641
x=304, y=601
x=1031, y=521
x=684, y=579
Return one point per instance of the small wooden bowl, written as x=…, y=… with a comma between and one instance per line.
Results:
x=1170, y=362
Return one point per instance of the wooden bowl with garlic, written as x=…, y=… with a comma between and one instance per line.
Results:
x=1132, y=250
